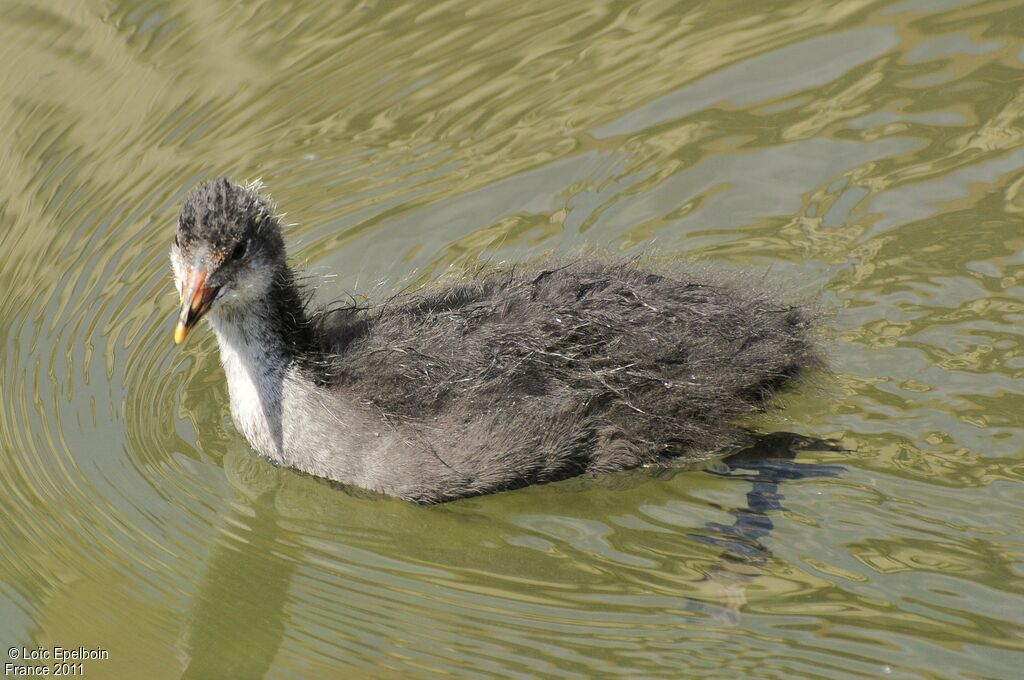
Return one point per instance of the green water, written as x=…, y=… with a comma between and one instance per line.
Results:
x=867, y=152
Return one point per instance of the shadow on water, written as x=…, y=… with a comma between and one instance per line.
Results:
x=239, y=612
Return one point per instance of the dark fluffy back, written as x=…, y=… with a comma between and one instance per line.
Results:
x=643, y=364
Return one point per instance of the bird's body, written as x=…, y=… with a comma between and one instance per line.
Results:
x=512, y=377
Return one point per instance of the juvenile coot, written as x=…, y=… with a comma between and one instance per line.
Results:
x=514, y=376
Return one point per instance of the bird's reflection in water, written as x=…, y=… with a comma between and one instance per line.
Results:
x=767, y=463
x=239, y=614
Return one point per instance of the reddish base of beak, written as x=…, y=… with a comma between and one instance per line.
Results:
x=195, y=301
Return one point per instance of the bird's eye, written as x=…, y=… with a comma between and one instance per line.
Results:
x=239, y=252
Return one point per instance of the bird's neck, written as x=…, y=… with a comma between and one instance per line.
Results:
x=274, y=328
x=259, y=344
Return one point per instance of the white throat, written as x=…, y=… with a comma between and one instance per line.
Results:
x=255, y=364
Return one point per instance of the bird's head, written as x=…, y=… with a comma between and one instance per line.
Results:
x=226, y=252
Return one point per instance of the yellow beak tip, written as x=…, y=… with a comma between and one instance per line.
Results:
x=179, y=333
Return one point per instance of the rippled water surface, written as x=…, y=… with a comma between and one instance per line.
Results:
x=870, y=153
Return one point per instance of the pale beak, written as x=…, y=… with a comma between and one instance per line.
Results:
x=196, y=298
